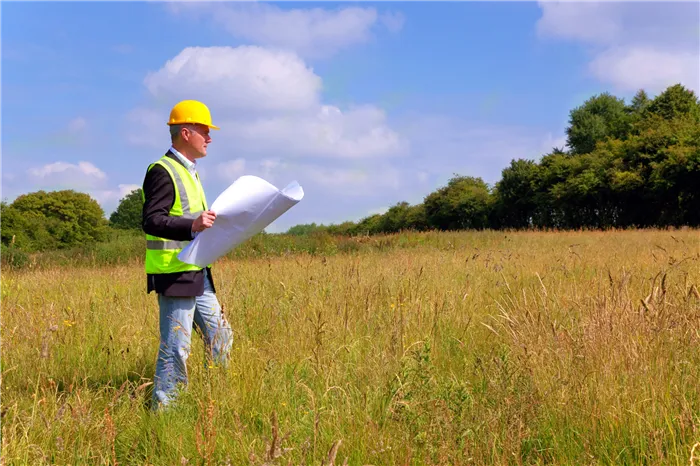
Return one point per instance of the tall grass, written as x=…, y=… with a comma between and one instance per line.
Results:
x=455, y=348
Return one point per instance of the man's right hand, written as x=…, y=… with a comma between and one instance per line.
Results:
x=204, y=221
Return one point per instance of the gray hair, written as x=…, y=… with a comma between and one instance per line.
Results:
x=175, y=131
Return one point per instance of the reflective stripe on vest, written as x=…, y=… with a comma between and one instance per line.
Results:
x=161, y=253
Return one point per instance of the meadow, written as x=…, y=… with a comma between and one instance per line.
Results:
x=484, y=348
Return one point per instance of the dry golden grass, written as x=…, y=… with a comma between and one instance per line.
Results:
x=466, y=348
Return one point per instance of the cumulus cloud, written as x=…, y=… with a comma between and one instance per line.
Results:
x=311, y=33
x=631, y=68
x=109, y=198
x=232, y=169
x=633, y=45
x=360, y=132
x=354, y=179
x=80, y=175
x=245, y=78
x=266, y=102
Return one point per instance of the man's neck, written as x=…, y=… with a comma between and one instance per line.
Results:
x=184, y=153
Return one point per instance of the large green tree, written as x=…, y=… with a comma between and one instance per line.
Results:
x=676, y=101
x=128, y=213
x=48, y=220
x=403, y=216
x=515, y=202
x=600, y=117
x=463, y=204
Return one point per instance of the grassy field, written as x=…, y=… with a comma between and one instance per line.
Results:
x=577, y=348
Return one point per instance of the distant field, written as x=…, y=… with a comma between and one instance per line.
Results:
x=578, y=348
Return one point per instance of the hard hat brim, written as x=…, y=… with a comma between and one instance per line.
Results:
x=170, y=123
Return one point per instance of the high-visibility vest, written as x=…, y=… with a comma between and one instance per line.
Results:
x=161, y=253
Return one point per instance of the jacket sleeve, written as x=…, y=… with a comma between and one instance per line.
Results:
x=160, y=196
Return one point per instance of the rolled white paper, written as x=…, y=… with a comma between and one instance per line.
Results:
x=244, y=209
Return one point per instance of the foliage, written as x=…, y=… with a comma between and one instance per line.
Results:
x=462, y=204
x=52, y=220
x=129, y=212
x=13, y=257
x=305, y=229
x=599, y=117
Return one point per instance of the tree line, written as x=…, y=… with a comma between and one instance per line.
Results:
x=633, y=164
x=626, y=165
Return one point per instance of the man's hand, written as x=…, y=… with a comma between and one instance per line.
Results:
x=204, y=221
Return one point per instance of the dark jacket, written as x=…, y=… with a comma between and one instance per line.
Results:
x=160, y=196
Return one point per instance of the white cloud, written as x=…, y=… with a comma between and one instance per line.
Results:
x=631, y=68
x=312, y=32
x=319, y=179
x=82, y=174
x=352, y=181
x=574, y=21
x=232, y=169
x=83, y=177
x=246, y=78
x=267, y=103
x=633, y=45
x=125, y=189
x=109, y=198
x=361, y=132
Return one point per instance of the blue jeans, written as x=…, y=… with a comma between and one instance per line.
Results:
x=177, y=314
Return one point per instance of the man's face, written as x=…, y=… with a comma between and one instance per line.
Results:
x=197, y=137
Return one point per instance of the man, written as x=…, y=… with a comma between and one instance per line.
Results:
x=174, y=210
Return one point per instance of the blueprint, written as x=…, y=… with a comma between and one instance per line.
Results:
x=244, y=209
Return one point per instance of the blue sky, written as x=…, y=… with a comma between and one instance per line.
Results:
x=365, y=104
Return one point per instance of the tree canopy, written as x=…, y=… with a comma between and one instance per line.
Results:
x=52, y=220
x=128, y=213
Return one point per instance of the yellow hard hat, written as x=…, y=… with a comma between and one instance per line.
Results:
x=190, y=111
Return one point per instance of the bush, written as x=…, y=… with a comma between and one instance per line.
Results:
x=13, y=257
